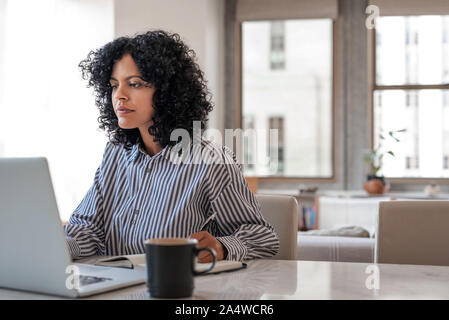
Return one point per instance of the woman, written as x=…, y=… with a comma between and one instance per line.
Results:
x=146, y=87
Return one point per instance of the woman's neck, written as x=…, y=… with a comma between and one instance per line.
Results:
x=150, y=146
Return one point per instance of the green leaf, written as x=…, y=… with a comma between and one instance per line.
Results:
x=391, y=152
x=381, y=136
x=391, y=135
x=402, y=130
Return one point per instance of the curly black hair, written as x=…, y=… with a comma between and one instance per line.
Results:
x=181, y=95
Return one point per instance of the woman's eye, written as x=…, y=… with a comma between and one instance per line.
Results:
x=132, y=85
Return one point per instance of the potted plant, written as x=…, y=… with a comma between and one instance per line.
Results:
x=375, y=183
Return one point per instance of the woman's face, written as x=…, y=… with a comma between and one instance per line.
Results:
x=132, y=98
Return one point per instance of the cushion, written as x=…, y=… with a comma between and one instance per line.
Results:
x=346, y=231
x=338, y=249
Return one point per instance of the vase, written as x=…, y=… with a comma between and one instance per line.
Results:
x=375, y=185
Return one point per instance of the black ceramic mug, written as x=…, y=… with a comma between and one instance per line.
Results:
x=171, y=266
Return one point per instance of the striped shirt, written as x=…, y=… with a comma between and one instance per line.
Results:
x=136, y=196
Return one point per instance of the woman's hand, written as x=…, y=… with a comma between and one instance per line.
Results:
x=205, y=239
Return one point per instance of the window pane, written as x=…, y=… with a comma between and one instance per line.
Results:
x=423, y=150
x=287, y=86
x=412, y=50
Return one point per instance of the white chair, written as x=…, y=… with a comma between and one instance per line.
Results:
x=413, y=232
x=282, y=213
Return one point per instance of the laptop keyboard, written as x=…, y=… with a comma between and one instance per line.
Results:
x=86, y=280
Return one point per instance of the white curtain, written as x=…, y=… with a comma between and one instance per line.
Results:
x=45, y=108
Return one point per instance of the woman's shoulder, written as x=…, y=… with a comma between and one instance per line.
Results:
x=214, y=153
x=224, y=168
x=117, y=151
x=112, y=148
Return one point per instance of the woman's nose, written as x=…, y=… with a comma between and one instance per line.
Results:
x=121, y=94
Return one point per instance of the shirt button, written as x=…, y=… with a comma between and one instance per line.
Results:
x=135, y=213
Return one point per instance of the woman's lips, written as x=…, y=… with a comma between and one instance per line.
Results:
x=123, y=111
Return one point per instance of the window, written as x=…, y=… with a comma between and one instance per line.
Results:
x=277, y=123
x=249, y=143
x=46, y=109
x=411, y=92
x=291, y=95
x=277, y=45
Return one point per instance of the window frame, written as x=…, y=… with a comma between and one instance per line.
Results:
x=373, y=86
x=334, y=99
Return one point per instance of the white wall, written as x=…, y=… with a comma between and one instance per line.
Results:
x=200, y=23
x=46, y=109
x=2, y=50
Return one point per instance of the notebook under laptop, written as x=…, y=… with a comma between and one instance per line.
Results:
x=33, y=250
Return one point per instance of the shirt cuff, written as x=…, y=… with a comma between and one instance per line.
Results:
x=237, y=250
x=74, y=248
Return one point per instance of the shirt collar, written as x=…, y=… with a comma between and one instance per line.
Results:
x=138, y=150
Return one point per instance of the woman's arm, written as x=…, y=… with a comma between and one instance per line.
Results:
x=241, y=227
x=85, y=230
x=239, y=224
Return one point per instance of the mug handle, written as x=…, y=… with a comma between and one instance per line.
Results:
x=212, y=252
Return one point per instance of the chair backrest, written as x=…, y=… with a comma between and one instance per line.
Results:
x=413, y=232
x=253, y=183
x=282, y=213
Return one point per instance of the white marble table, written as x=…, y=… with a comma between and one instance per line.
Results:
x=294, y=280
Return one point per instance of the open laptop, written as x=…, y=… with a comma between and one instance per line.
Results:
x=33, y=250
